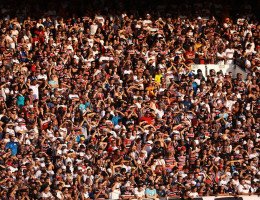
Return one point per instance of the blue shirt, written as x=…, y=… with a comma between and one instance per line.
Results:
x=150, y=192
x=78, y=138
x=83, y=107
x=115, y=119
x=195, y=87
x=20, y=100
x=224, y=115
x=187, y=104
x=13, y=146
x=52, y=82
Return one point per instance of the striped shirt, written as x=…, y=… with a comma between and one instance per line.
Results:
x=182, y=160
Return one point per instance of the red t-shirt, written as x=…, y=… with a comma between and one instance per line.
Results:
x=190, y=55
x=149, y=120
x=127, y=142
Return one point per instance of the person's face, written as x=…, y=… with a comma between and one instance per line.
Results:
x=100, y=186
x=180, y=179
x=4, y=193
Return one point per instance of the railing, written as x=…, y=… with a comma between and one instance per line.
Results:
x=220, y=197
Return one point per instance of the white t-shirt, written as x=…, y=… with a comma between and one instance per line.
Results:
x=116, y=193
x=10, y=131
x=14, y=33
x=253, y=155
x=221, y=55
x=223, y=182
x=128, y=71
x=146, y=22
x=93, y=29
x=42, y=76
x=139, y=193
x=20, y=128
x=193, y=194
x=91, y=42
x=160, y=113
x=235, y=182
x=86, y=195
x=35, y=89
x=243, y=188
x=59, y=195
x=46, y=195
x=229, y=54
x=229, y=104
x=160, y=162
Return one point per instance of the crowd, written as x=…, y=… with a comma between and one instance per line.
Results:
x=108, y=107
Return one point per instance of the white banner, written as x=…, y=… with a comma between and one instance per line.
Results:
x=224, y=68
x=244, y=197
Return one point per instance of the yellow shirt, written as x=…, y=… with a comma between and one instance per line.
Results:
x=157, y=78
x=197, y=46
x=150, y=90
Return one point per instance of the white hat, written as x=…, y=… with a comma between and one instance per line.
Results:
x=42, y=164
x=13, y=169
x=68, y=160
x=115, y=148
x=65, y=151
x=67, y=186
x=59, y=152
x=81, y=154
x=143, y=151
x=193, y=182
x=109, y=171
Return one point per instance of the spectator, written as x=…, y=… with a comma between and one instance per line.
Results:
x=150, y=192
x=107, y=104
